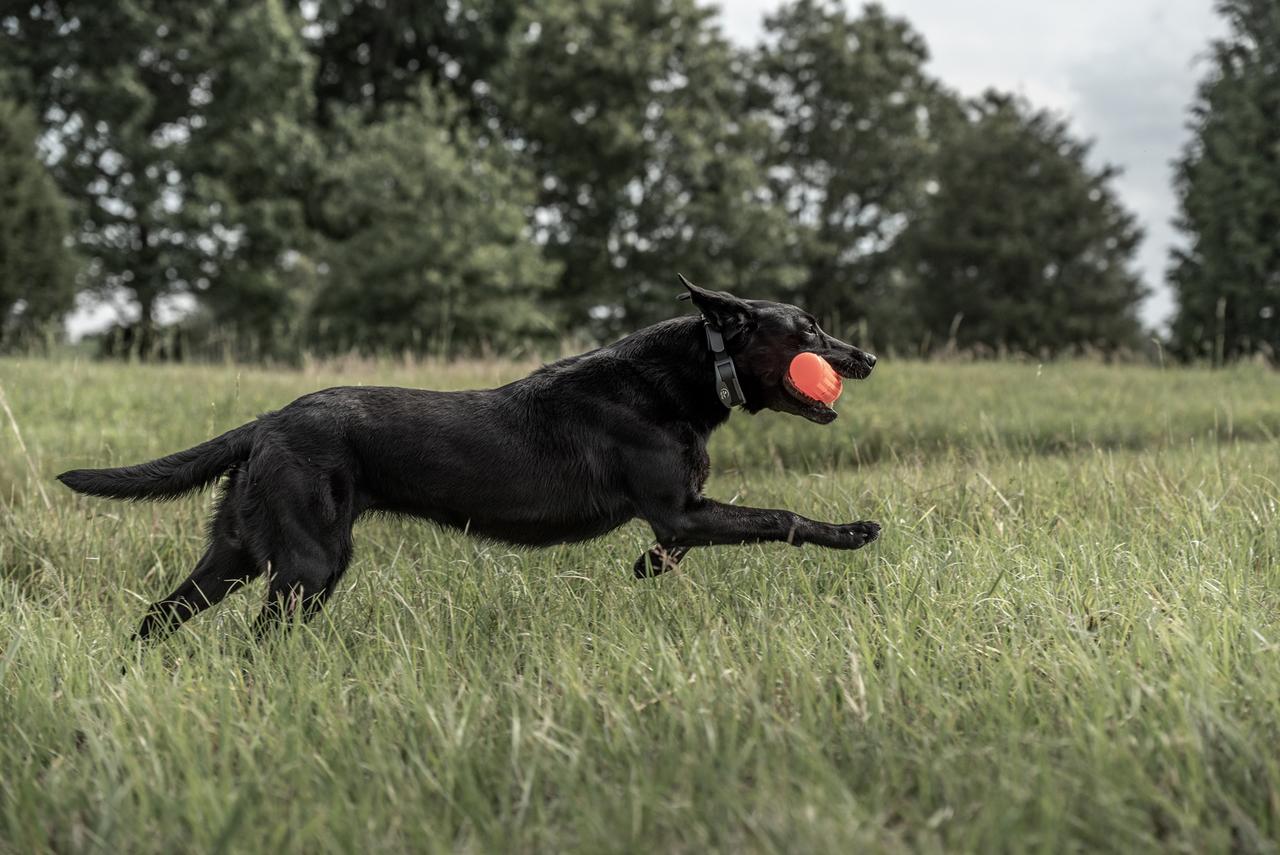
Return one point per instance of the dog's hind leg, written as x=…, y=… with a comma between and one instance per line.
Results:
x=221, y=570
x=310, y=547
x=658, y=559
x=302, y=580
x=225, y=566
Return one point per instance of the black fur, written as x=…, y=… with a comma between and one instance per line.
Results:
x=169, y=477
x=569, y=453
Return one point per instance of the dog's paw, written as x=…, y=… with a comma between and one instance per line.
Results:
x=657, y=561
x=645, y=567
x=858, y=534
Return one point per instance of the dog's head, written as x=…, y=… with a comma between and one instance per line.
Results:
x=763, y=337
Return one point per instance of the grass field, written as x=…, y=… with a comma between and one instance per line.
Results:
x=1068, y=638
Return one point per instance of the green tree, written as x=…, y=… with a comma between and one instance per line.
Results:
x=429, y=246
x=371, y=53
x=253, y=162
x=37, y=271
x=1227, y=279
x=855, y=113
x=114, y=85
x=1022, y=244
x=167, y=121
x=632, y=114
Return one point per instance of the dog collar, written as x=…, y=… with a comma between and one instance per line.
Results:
x=728, y=390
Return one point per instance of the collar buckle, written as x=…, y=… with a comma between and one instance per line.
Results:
x=728, y=389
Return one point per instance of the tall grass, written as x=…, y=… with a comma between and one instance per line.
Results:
x=1066, y=640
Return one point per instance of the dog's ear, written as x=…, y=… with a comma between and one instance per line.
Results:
x=725, y=312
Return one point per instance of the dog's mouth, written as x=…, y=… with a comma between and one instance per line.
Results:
x=811, y=408
x=815, y=410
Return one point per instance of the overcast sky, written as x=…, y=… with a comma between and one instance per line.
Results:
x=1124, y=71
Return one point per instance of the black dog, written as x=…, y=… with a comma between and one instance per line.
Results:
x=569, y=453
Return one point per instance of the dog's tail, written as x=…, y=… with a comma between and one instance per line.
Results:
x=167, y=477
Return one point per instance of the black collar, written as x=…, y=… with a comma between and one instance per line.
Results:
x=728, y=390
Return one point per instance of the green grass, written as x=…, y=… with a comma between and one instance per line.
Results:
x=1067, y=639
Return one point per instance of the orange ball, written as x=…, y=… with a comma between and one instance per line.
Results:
x=815, y=377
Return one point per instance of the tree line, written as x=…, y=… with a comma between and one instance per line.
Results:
x=335, y=175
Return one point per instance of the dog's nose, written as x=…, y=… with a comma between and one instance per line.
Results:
x=870, y=359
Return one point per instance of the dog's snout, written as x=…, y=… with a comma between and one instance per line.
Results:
x=870, y=359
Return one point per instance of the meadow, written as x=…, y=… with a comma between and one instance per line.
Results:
x=1068, y=638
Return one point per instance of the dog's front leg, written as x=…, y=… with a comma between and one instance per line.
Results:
x=704, y=522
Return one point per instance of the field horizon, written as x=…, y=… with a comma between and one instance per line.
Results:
x=1068, y=638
